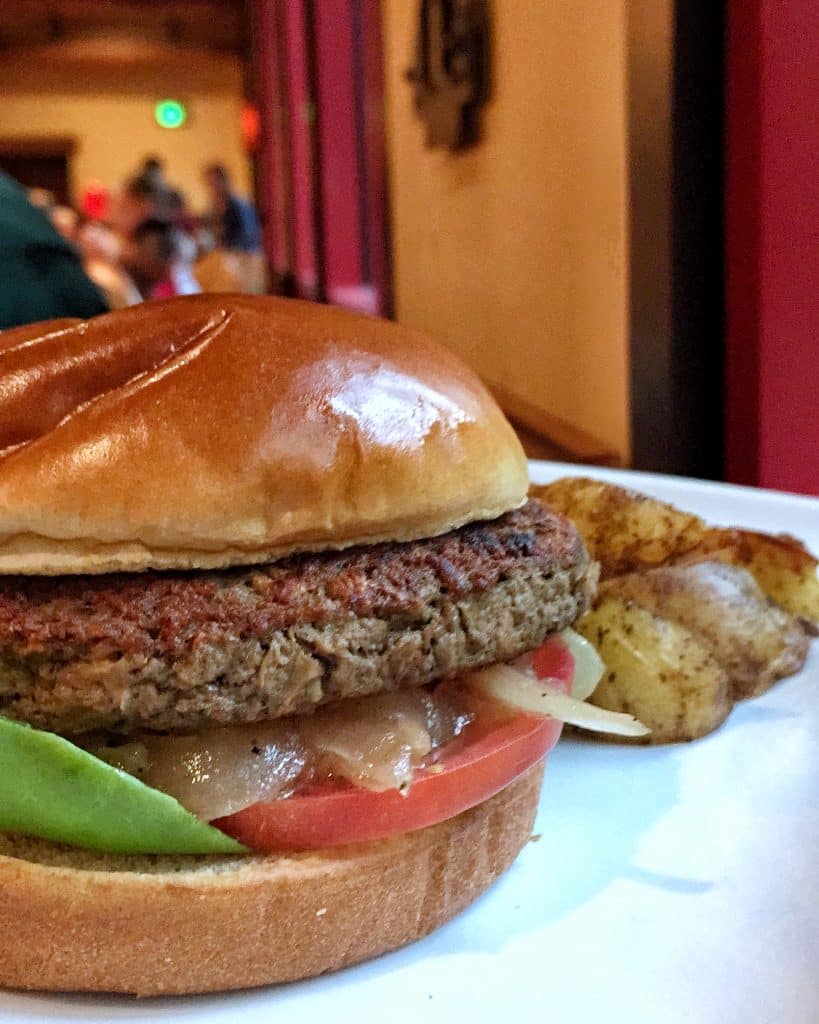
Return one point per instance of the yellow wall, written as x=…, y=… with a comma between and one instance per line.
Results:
x=514, y=253
x=114, y=126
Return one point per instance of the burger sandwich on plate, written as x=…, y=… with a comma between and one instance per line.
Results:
x=283, y=644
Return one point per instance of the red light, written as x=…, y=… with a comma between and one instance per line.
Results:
x=94, y=202
x=250, y=127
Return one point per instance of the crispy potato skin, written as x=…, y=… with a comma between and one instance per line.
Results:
x=689, y=619
x=623, y=530
x=782, y=566
x=754, y=640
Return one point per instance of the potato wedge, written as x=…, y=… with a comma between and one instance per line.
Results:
x=657, y=670
x=623, y=530
x=754, y=641
x=781, y=565
x=627, y=531
x=689, y=618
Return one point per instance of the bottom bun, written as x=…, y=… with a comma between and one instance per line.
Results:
x=77, y=921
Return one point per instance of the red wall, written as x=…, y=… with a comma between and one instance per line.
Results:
x=772, y=225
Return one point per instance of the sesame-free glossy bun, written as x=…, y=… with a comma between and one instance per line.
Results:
x=217, y=430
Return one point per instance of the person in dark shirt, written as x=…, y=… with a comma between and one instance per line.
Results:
x=41, y=274
x=235, y=223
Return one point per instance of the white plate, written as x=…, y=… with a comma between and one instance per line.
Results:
x=671, y=884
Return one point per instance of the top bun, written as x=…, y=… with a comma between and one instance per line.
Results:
x=221, y=430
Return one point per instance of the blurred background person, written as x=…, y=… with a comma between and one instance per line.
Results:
x=101, y=251
x=42, y=198
x=67, y=221
x=233, y=218
x=237, y=263
x=41, y=273
x=98, y=246
x=138, y=200
x=155, y=260
x=64, y=218
x=169, y=202
x=152, y=171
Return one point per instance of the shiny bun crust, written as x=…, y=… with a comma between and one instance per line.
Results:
x=82, y=922
x=217, y=430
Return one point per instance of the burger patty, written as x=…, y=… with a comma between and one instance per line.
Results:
x=176, y=651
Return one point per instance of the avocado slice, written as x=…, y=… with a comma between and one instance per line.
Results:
x=52, y=789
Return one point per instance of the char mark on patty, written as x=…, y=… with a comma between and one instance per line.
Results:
x=176, y=651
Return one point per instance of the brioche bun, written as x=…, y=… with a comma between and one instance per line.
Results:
x=75, y=921
x=222, y=430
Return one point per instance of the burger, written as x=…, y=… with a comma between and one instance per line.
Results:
x=283, y=644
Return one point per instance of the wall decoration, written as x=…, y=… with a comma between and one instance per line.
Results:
x=451, y=74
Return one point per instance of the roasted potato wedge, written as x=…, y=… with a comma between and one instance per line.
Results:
x=753, y=640
x=689, y=618
x=623, y=530
x=657, y=670
x=782, y=566
x=626, y=531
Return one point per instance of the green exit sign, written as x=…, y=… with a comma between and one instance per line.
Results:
x=170, y=114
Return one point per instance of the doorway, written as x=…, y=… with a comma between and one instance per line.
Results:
x=43, y=162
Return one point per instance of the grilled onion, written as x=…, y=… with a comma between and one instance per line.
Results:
x=521, y=691
x=374, y=742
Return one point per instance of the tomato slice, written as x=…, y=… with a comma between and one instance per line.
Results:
x=474, y=767
x=554, y=660
x=336, y=814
